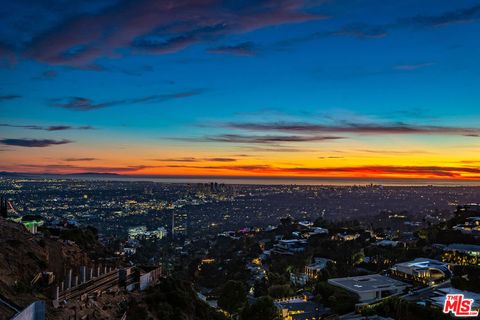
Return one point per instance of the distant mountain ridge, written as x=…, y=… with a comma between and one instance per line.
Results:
x=80, y=174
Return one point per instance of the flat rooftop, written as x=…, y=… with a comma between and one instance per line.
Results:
x=463, y=247
x=366, y=283
x=422, y=263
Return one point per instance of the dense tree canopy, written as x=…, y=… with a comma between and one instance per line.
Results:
x=262, y=309
x=232, y=296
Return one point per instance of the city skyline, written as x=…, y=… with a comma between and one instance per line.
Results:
x=284, y=88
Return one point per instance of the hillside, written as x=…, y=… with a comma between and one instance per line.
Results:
x=23, y=255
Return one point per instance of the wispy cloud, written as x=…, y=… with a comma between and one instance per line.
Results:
x=79, y=159
x=275, y=148
x=357, y=30
x=413, y=66
x=33, y=143
x=9, y=97
x=456, y=16
x=255, y=167
x=87, y=104
x=241, y=49
x=360, y=30
x=260, y=139
x=394, y=152
x=67, y=168
x=47, y=128
x=192, y=159
x=331, y=157
x=350, y=127
x=47, y=75
x=368, y=31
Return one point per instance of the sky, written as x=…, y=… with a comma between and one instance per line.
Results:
x=290, y=88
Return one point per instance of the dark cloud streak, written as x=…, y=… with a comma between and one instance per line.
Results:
x=241, y=49
x=47, y=128
x=86, y=104
x=352, y=128
x=9, y=97
x=33, y=143
x=367, y=31
x=191, y=159
x=79, y=159
x=257, y=139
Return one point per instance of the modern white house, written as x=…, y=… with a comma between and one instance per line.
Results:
x=370, y=287
x=422, y=270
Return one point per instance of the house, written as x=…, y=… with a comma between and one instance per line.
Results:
x=427, y=271
x=301, y=309
x=312, y=270
x=370, y=287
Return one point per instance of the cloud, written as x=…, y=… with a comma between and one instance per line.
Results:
x=360, y=30
x=408, y=67
x=457, y=16
x=47, y=75
x=33, y=143
x=356, y=30
x=157, y=27
x=47, y=128
x=79, y=159
x=277, y=148
x=7, y=55
x=256, y=168
x=79, y=103
x=267, y=139
x=331, y=157
x=221, y=159
x=191, y=159
x=368, y=31
x=470, y=161
x=241, y=49
x=67, y=168
x=9, y=97
x=86, y=104
x=350, y=127
x=388, y=152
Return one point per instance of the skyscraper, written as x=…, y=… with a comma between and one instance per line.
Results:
x=179, y=224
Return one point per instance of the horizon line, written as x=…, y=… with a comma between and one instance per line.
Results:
x=347, y=180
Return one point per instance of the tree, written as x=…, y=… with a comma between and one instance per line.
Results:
x=232, y=296
x=262, y=309
x=260, y=288
x=340, y=300
x=466, y=278
x=171, y=299
x=280, y=291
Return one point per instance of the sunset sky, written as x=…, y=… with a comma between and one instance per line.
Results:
x=320, y=88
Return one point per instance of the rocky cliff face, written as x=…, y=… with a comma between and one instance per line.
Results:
x=23, y=255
